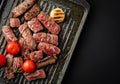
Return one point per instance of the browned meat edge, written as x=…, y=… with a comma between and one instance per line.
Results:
x=27, y=35
x=49, y=49
x=33, y=12
x=46, y=37
x=22, y=7
x=38, y=74
x=46, y=61
x=8, y=34
x=49, y=23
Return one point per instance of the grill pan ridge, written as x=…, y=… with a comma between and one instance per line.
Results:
x=76, y=12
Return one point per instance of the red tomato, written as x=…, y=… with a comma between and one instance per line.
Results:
x=2, y=60
x=13, y=48
x=28, y=66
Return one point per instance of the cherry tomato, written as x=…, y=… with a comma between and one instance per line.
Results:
x=2, y=60
x=28, y=66
x=13, y=48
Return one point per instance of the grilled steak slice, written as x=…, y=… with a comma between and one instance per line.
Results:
x=23, y=27
x=22, y=7
x=36, y=55
x=46, y=61
x=46, y=37
x=38, y=74
x=48, y=48
x=24, y=48
x=35, y=25
x=14, y=22
x=8, y=70
x=8, y=34
x=49, y=23
x=17, y=65
x=33, y=12
x=9, y=73
x=27, y=35
x=9, y=60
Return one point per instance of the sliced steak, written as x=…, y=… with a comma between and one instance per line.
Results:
x=22, y=7
x=35, y=25
x=17, y=65
x=49, y=23
x=38, y=74
x=23, y=27
x=46, y=61
x=27, y=35
x=9, y=73
x=46, y=37
x=8, y=34
x=24, y=48
x=49, y=48
x=8, y=70
x=14, y=22
x=9, y=60
x=36, y=55
x=33, y=12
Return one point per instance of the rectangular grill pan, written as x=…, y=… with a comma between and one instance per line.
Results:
x=76, y=12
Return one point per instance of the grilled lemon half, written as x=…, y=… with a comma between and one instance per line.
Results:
x=57, y=15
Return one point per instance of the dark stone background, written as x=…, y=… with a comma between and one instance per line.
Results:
x=96, y=59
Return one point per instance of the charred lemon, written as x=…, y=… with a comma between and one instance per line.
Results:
x=57, y=15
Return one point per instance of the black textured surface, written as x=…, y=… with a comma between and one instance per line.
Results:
x=96, y=59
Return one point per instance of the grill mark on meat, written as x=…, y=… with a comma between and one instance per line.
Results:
x=49, y=23
x=46, y=61
x=27, y=35
x=36, y=55
x=38, y=74
x=23, y=27
x=8, y=70
x=35, y=25
x=29, y=39
x=46, y=37
x=33, y=12
x=9, y=58
x=14, y=65
x=8, y=34
x=48, y=48
x=17, y=65
x=22, y=7
x=24, y=48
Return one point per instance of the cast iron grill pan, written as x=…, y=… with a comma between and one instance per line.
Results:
x=76, y=12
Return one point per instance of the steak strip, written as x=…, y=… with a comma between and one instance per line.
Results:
x=24, y=48
x=8, y=34
x=49, y=49
x=9, y=58
x=17, y=65
x=9, y=70
x=14, y=22
x=38, y=74
x=46, y=37
x=27, y=35
x=33, y=12
x=46, y=61
x=36, y=55
x=35, y=25
x=22, y=7
x=49, y=23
